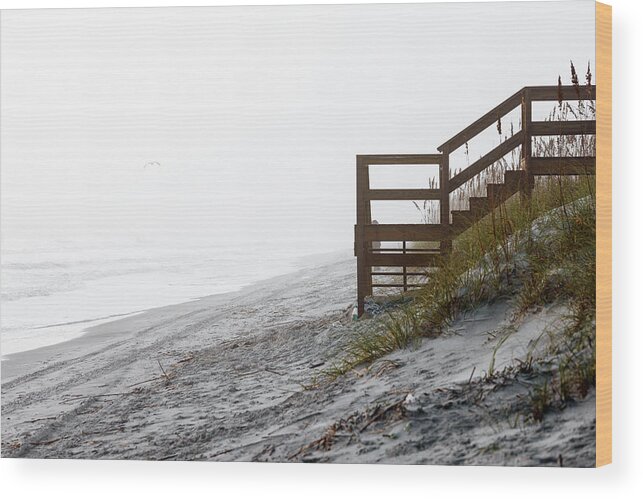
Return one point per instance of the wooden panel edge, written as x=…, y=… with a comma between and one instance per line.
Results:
x=603, y=234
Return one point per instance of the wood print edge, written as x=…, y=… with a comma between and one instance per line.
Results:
x=604, y=234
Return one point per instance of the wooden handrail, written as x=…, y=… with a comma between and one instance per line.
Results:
x=537, y=93
x=485, y=161
x=399, y=159
x=481, y=123
x=567, y=92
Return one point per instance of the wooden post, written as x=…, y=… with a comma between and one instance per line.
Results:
x=528, y=183
x=364, y=277
x=445, y=212
x=404, y=268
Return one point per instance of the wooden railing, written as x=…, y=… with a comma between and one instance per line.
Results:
x=367, y=233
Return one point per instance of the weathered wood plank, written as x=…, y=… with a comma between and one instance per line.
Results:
x=445, y=210
x=417, y=274
x=563, y=166
x=403, y=194
x=401, y=285
x=525, y=152
x=403, y=250
x=364, y=279
x=400, y=159
x=414, y=260
x=404, y=232
x=572, y=127
x=568, y=92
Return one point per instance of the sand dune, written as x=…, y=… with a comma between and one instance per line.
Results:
x=228, y=378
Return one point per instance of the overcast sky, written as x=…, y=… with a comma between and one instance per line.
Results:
x=253, y=114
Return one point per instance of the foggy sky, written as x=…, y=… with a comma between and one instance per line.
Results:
x=253, y=114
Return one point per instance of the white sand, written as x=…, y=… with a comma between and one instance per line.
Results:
x=236, y=367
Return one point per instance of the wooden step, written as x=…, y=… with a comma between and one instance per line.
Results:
x=479, y=206
x=460, y=217
x=463, y=218
x=513, y=179
x=497, y=193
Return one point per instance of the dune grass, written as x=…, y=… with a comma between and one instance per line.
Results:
x=542, y=249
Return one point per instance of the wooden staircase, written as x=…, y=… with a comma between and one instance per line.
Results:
x=479, y=207
x=371, y=259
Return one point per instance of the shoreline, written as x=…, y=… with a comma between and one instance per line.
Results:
x=17, y=363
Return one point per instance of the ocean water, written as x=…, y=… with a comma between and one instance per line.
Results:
x=153, y=156
x=156, y=242
x=54, y=295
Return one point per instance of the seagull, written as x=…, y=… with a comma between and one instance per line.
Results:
x=152, y=164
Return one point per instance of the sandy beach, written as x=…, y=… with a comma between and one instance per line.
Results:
x=239, y=377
